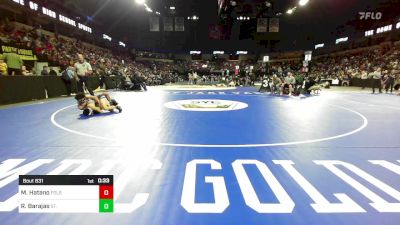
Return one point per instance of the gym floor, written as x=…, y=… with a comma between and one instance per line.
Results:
x=223, y=157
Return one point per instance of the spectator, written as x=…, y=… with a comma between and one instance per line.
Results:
x=364, y=79
x=83, y=70
x=390, y=82
x=3, y=68
x=25, y=72
x=14, y=63
x=45, y=71
x=289, y=82
x=53, y=72
x=276, y=83
x=69, y=77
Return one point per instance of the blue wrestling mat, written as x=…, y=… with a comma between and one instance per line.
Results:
x=223, y=157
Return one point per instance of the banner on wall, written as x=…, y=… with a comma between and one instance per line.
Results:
x=274, y=25
x=154, y=24
x=179, y=24
x=168, y=24
x=25, y=54
x=262, y=25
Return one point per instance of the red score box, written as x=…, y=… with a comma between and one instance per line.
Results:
x=106, y=192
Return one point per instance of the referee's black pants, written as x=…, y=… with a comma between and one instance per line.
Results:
x=84, y=79
x=376, y=83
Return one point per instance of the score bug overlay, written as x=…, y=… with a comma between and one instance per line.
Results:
x=66, y=194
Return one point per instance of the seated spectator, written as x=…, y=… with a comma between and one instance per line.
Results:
x=25, y=72
x=45, y=71
x=53, y=72
x=288, y=82
x=3, y=68
x=276, y=83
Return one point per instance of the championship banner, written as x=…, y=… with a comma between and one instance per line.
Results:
x=154, y=24
x=168, y=24
x=25, y=54
x=262, y=25
x=179, y=24
x=274, y=25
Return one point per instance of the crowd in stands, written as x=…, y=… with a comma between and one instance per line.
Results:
x=378, y=62
x=62, y=52
x=379, y=65
x=381, y=62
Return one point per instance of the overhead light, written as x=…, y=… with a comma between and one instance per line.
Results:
x=188, y=18
x=106, y=37
x=291, y=11
x=340, y=40
x=319, y=46
x=172, y=8
x=303, y=2
x=233, y=3
x=307, y=56
x=268, y=4
x=149, y=10
x=140, y=2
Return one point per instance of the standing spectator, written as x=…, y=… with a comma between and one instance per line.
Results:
x=376, y=80
x=3, y=68
x=14, y=63
x=143, y=82
x=83, y=70
x=69, y=77
x=195, y=77
x=364, y=79
x=390, y=82
x=45, y=71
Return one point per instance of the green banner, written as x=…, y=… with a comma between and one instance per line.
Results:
x=26, y=54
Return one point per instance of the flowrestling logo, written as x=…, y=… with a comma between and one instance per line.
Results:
x=370, y=15
x=208, y=105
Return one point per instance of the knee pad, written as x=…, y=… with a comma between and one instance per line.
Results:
x=87, y=112
x=113, y=102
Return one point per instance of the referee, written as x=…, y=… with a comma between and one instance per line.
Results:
x=83, y=70
x=376, y=80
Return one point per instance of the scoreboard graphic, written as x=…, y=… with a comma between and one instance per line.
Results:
x=65, y=194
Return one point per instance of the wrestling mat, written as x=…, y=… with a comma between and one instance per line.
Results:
x=215, y=157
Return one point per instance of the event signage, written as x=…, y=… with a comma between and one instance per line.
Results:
x=26, y=54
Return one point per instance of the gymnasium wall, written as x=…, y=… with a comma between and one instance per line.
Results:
x=14, y=89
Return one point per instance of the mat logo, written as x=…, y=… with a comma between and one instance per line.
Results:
x=208, y=105
x=381, y=196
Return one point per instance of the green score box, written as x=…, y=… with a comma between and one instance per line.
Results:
x=106, y=206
